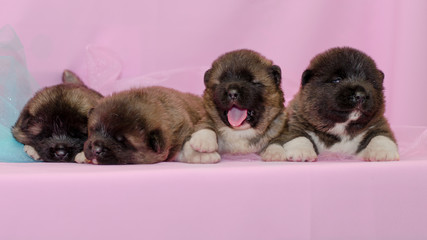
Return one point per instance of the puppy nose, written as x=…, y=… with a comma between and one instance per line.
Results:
x=233, y=94
x=98, y=148
x=359, y=97
x=60, y=151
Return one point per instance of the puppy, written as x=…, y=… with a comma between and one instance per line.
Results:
x=145, y=125
x=53, y=124
x=339, y=108
x=245, y=106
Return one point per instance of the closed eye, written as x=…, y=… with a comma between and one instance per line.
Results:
x=336, y=80
x=258, y=84
x=120, y=138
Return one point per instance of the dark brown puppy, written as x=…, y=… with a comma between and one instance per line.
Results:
x=53, y=124
x=245, y=106
x=340, y=109
x=145, y=125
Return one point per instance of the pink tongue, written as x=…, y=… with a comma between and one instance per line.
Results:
x=236, y=116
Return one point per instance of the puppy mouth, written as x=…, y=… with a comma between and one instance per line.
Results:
x=239, y=118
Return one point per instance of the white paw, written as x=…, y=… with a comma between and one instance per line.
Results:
x=300, y=149
x=189, y=155
x=80, y=158
x=380, y=148
x=204, y=141
x=32, y=152
x=274, y=152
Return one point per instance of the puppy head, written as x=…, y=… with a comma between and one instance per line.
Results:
x=121, y=133
x=342, y=83
x=54, y=122
x=244, y=88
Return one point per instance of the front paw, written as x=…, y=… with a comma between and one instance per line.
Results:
x=189, y=155
x=273, y=152
x=380, y=148
x=300, y=149
x=81, y=158
x=32, y=152
x=204, y=141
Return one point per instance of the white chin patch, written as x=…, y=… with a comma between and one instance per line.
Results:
x=354, y=115
x=340, y=128
x=244, y=126
x=380, y=148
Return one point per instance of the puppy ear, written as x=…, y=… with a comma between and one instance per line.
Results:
x=90, y=112
x=25, y=125
x=156, y=141
x=70, y=77
x=306, y=75
x=381, y=75
x=207, y=76
x=276, y=73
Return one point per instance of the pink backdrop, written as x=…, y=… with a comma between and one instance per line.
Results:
x=156, y=36
x=172, y=43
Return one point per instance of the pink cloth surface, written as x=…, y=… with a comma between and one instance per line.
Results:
x=239, y=198
x=115, y=45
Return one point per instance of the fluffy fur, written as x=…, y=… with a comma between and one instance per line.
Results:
x=53, y=124
x=145, y=125
x=339, y=108
x=245, y=106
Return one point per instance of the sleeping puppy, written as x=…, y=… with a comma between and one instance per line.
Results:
x=53, y=124
x=245, y=106
x=339, y=108
x=145, y=125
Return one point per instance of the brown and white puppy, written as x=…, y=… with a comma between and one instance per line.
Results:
x=53, y=124
x=245, y=106
x=339, y=108
x=144, y=125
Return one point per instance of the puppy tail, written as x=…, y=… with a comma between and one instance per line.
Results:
x=70, y=77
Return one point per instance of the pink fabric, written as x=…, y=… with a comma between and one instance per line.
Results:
x=114, y=45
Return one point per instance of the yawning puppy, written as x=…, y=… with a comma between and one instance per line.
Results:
x=339, y=108
x=245, y=106
x=145, y=125
x=53, y=124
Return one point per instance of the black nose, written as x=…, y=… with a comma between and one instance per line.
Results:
x=60, y=151
x=233, y=94
x=359, y=97
x=98, y=148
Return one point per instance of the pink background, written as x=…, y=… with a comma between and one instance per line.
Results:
x=156, y=36
x=172, y=43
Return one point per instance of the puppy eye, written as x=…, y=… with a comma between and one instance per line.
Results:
x=119, y=138
x=258, y=84
x=336, y=80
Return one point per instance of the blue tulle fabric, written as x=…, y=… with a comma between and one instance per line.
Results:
x=16, y=87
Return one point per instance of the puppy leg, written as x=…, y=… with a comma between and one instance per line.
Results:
x=32, y=152
x=380, y=148
x=300, y=149
x=189, y=155
x=204, y=141
x=274, y=152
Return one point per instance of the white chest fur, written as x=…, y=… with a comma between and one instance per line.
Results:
x=347, y=145
x=237, y=141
